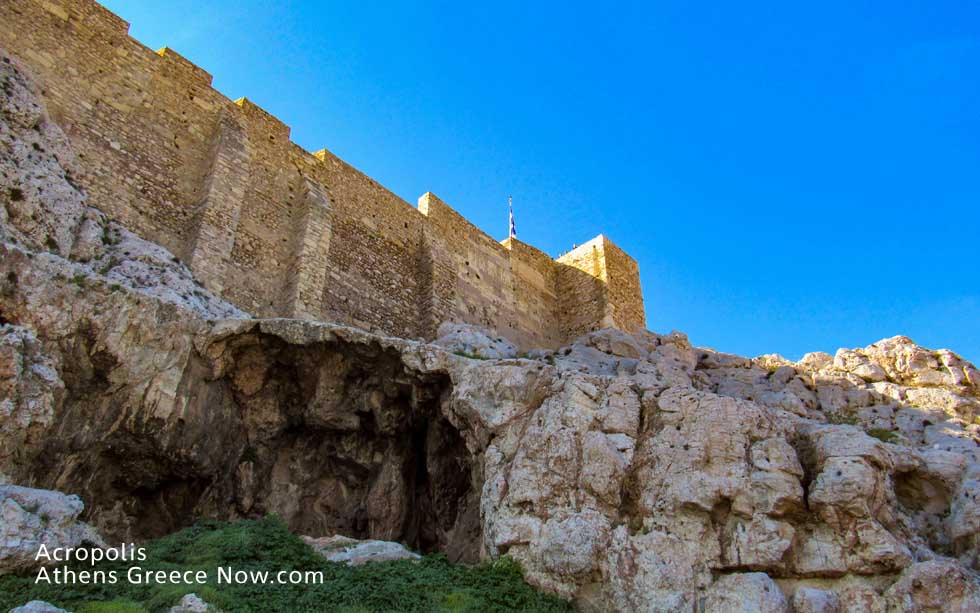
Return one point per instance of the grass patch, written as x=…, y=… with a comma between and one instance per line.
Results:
x=431, y=584
x=843, y=419
x=883, y=435
x=112, y=606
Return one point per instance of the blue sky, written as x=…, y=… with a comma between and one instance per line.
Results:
x=790, y=177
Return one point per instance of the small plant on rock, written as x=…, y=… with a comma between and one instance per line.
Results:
x=883, y=435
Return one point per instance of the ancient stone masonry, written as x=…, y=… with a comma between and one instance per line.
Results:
x=274, y=229
x=607, y=296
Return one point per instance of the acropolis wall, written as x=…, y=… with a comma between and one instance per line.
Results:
x=280, y=231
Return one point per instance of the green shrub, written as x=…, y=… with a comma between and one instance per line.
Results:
x=842, y=419
x=112, y=606
x=883, y=435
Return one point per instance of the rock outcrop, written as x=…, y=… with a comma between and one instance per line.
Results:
x=192, y=603
x=353, y=552
x=471, y=341
x=625, y=472
x=32, y=518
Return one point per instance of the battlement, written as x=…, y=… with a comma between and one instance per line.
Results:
x=269, y=122
x=184, y=68
x=280, y=231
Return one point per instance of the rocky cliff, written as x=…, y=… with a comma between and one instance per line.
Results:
x=625, y=472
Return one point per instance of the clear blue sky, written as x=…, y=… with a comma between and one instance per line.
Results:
x=790, y=177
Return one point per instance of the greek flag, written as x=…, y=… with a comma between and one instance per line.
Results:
x=513, y=228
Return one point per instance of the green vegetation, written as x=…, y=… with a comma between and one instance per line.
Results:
x=431, y=584
x=841, y=418
x=16, y=194
x=111, y=606
x=886, y=436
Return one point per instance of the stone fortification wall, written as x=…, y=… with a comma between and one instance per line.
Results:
x=598, y=287
x=273, y=228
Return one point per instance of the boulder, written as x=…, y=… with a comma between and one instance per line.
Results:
x=37, y=606
x=814, y=600
x=474, y=341
x=745, y=593
x=192, y=603
x=32, y=518
x=353, y=552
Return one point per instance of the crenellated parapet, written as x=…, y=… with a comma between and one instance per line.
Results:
x=275, y=229
x=264, y=121
x=182, y=69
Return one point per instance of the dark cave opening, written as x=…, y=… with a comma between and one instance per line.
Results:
x=441, y=472
x=334, y=438
x=367, y=448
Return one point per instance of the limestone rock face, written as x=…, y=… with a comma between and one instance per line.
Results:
x=30, y=392
x=745, y=593
x=32, y=518
x=813, y=600
x=42, y=209
x=935, y=585
x=624, y=472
